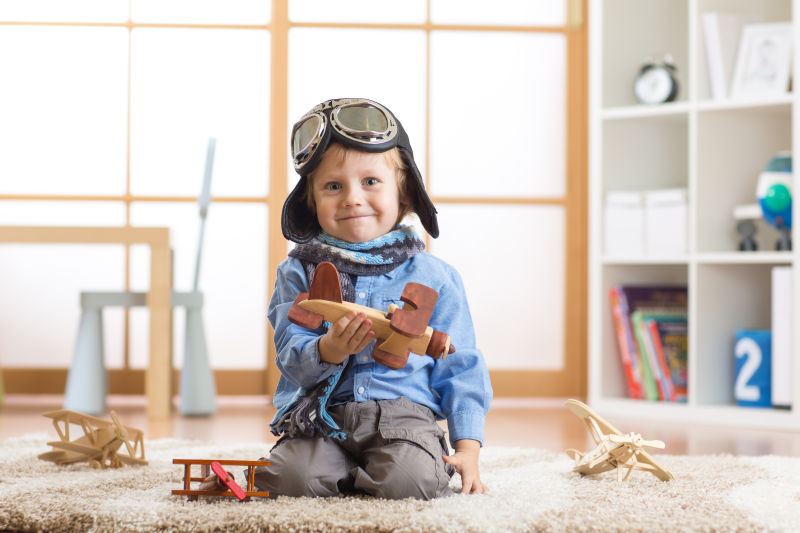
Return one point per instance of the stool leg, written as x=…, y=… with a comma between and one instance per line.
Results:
x=86, y=382
x=198, y=391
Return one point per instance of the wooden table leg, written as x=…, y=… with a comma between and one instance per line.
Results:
x=158, y=380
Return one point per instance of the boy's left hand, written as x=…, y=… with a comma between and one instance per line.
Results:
x=465, y=461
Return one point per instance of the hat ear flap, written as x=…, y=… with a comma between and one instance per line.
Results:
x=420, y=201
x=298, y=222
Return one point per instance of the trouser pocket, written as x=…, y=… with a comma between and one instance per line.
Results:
x=404, y=421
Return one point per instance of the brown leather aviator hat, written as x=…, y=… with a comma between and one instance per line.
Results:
x=357, y=123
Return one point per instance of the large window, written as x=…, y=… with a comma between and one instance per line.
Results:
x=108, y=105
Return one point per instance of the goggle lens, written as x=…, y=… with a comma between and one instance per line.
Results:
x=306, y=134
x=363, y=118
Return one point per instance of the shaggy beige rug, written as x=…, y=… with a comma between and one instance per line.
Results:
x=531, y=490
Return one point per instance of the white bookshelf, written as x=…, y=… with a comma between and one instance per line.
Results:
x=713, y=148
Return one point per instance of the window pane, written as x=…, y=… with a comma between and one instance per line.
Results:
x=201, y=11
x=511, y=259
x=63, y=107
x=399, y=83
x=41, y=287
x=232, y=279
x=191, y=84
x=41, y=284
x=500, y=12
x=393, y=11
x=62, y=11
x=497, y=118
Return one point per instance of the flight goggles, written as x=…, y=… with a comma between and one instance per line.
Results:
x=356, y=122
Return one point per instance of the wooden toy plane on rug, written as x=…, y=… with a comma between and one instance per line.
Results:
x=614, y=450
x=399, y=330
x=222, y=483
x=100, y=443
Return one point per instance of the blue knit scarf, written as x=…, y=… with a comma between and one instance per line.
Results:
x=306, y=414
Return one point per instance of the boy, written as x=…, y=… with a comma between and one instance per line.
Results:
x=349, y=423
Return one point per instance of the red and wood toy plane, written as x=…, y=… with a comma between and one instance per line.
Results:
x=225, y=484
x=100, y=443
x=399, y=331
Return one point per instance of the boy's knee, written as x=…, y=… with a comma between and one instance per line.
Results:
x=399, y=484
x=417, y=475
x=303, y=467
x=293, y=478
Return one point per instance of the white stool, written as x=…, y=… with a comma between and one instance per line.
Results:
x=87, y=383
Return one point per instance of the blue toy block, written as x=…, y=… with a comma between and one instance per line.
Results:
x=753, y=384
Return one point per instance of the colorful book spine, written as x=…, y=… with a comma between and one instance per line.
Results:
x=674, y=339
x=655, y=337
x=626, y=345
x=651, y=381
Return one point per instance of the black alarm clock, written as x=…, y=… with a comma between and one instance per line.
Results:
x=655, y=83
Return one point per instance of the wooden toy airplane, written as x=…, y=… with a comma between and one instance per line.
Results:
x=100, y=444
x=222, y=482
x=399, y=331
x=614, y=450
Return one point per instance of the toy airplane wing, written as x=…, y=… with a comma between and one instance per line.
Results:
x=599, y=427
x=595, y=423
x=229, y=482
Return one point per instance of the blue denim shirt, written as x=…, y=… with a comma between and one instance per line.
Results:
x=456, y=388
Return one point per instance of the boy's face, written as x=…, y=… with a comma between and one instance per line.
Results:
x=357, y=200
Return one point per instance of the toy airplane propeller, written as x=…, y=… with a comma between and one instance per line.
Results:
x=399, y=331
x=614, y=450
x=100, y=444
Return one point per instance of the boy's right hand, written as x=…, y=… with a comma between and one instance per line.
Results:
x=350, y=334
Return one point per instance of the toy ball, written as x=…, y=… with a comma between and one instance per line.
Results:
x=774, y=191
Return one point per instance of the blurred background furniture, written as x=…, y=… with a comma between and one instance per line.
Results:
x=87, y=381
x=158, y=387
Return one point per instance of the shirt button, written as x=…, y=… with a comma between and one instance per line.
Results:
x=361, y=390
x=362, y=295
x=364, y=358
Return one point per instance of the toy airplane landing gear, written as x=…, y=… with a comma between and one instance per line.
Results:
x=614, y=450
x=224, y=484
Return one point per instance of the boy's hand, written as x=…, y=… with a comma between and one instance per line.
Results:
x=465, y=461
x=350, y=334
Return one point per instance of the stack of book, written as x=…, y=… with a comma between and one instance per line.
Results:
x=652, y=336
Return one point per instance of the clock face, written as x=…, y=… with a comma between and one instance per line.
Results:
x=654, y=86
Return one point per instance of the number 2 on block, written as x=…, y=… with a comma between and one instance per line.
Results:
x=748, y=348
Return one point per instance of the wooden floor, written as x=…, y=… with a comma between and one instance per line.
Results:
x=533, y=423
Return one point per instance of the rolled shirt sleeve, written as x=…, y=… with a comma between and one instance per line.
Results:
x=297, y=348
x=462, y=379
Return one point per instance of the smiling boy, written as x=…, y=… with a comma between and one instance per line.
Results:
x=349, y=423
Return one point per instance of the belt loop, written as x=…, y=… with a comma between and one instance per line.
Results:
x=379, y=406
x=349, y=418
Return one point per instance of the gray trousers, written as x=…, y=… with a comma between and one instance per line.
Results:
x=393, y=450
